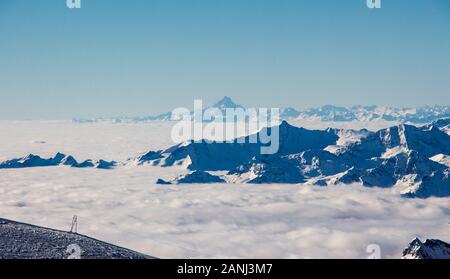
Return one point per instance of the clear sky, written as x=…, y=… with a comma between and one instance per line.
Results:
x=141, y=57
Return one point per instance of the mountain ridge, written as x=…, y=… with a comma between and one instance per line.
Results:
x=325, y=113
x=24, y=241
x=60, y=159
x=428, y=250
x=399, y=157
x=414, y=160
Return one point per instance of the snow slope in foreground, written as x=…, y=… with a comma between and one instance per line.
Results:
x=25, y=241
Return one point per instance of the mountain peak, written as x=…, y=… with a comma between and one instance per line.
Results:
x=284, y=126
x=430, y=249
x=226, y=102
x=285, y=123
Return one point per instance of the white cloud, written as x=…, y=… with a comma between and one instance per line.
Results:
x=125, y=207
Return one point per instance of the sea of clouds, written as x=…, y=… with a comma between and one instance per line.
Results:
x=125, y=207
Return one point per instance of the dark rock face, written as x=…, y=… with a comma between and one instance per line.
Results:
x=102, y=164
x=199, y=177
x=24, y=241
x=214, y=156
x=32, y=161
x=271, y=169
x=149, y=156
x=399, y=155
x=428, y=250
x=162, y=182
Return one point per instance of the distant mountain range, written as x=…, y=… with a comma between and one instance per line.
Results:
x=413, y=159
x=424, y=114
x=59, y=159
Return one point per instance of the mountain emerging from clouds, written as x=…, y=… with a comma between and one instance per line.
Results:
x=431, y=249
x=424, y=114
x=32, y=161
x=414, y=160
x=405, y=157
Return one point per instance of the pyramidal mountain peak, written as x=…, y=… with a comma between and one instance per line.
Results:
x=326, y=113
x=226, y=102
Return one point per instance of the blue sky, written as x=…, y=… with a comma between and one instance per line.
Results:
x=128, y=58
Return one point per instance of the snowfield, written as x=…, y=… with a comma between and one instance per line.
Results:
x=124, y=206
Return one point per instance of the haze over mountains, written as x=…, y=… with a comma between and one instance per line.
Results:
x=324, y=113
x=413, y=159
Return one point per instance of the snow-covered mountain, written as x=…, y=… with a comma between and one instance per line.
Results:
x=369, y=113
x=31, y=161
x=424, y=114
x=223, y=104
x=194, y=177
x=406, y=157
x=227, y=156
x=289, y=113
x=442, y=124
x=412, y=160
x=429, y=250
